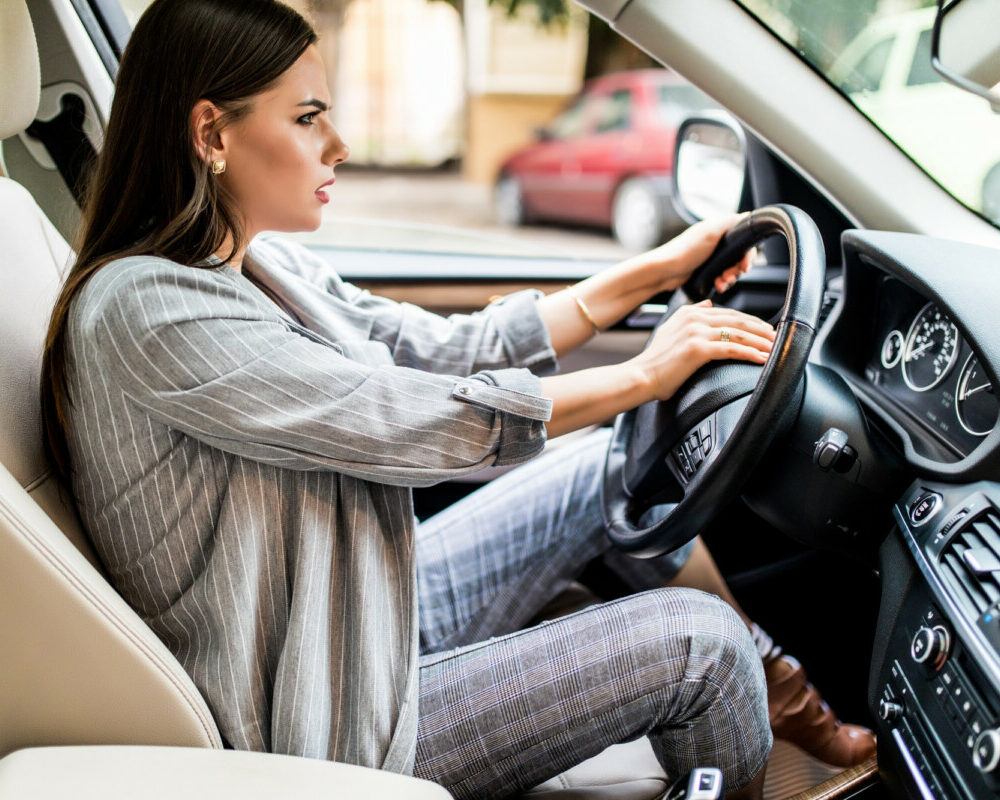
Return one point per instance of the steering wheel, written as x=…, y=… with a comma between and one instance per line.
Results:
x=692, y=453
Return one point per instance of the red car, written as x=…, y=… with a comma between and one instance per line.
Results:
x=606, y=160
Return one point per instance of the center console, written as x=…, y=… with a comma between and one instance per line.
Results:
x=935, y=685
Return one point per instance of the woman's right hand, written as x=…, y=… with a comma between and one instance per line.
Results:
x=695, y=335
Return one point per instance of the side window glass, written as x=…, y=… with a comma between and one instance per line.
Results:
x=921, y=71
x=570, y=122
x=867, y=75
x=674, y=103
x=614, y=112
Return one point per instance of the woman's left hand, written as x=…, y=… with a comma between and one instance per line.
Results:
x=687, y=251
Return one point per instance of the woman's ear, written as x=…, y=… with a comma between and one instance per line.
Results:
x=204, y=120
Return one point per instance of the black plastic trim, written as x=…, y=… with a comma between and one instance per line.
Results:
x=98, y=36
x=114, y=24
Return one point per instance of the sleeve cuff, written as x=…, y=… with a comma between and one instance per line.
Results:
x=524, y=335
x=515, y=395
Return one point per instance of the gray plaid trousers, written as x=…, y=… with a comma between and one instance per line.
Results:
x=502, y=709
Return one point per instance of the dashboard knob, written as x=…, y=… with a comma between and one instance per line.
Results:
x=930, y=647
x=889, y=711
x=986, y=755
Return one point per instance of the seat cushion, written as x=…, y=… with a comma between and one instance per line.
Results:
x=626, y=771
x=166, y=773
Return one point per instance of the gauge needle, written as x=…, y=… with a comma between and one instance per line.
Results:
x=970, y=392
x=914, y=353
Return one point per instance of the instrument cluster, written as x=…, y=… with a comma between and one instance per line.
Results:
x=922, y=362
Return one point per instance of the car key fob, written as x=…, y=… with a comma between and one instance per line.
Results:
x=703, y=783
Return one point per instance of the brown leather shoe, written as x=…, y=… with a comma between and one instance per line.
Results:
x=799, y=715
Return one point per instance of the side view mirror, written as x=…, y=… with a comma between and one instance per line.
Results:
x=543, y=134
x=710, y=167
x=965, y=47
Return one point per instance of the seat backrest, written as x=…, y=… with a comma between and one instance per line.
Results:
x=77, y=665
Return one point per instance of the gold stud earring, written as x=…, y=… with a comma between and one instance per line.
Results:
x=219, y=166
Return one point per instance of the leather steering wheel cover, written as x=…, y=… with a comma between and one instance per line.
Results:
x=776, y=392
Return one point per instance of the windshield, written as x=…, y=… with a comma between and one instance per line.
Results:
x=877, y=52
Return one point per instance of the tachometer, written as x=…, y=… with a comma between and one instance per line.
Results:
x=931, y=349
x=975, y=402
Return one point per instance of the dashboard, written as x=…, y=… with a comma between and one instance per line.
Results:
x=924, y=368
x=912, y=334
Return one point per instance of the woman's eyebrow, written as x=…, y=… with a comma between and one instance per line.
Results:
x=318, y=103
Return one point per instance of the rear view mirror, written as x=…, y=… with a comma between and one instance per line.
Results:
x=965, y=47
x=709, y=167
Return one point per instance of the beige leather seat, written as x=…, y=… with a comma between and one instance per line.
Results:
x=78, y=664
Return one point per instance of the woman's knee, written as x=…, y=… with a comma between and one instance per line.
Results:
x=718, y=714
x=707, y=649
x=719, y=651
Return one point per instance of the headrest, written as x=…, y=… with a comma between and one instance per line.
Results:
x=20, y=78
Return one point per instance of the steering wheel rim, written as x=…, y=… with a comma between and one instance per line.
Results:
x=773, y=398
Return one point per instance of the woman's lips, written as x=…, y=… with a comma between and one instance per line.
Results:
x=323, y=196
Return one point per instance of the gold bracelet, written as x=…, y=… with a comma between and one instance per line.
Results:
x=586, y=312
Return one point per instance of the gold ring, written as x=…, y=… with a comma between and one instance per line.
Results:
x=724, y=335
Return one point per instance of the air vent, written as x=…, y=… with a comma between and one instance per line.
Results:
x=970, y=564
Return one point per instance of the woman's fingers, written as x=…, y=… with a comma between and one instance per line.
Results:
x=740, y=352
x=740, y=339
x=732, y=334
x=698, y=334
x=727, y=317
x=726, y=279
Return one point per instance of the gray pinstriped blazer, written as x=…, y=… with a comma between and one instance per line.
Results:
x=244, y=472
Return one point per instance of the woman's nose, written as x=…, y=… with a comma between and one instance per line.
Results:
x=337, y=151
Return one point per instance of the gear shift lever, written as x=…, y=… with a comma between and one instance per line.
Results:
x=702, y=783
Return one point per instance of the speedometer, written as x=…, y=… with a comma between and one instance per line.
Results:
x=931, y=349
x=975, y=400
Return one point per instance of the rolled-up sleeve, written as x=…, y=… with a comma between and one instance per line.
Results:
x=201, y=356
x=514, y=394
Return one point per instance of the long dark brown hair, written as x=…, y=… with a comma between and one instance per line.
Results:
x=152, y=192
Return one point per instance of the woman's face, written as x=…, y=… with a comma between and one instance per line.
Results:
x=281, y=155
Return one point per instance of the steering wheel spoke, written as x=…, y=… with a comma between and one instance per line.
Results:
x=697, y=449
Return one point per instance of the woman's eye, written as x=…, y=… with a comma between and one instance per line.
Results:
x=308, y=119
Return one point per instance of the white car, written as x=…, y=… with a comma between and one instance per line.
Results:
x=886, y=70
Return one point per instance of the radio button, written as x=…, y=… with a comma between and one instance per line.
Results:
x=986, y=755
x=924, y=507
x=890, y=712
x=930, y=647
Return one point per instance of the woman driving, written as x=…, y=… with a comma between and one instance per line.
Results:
x=242, y=429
